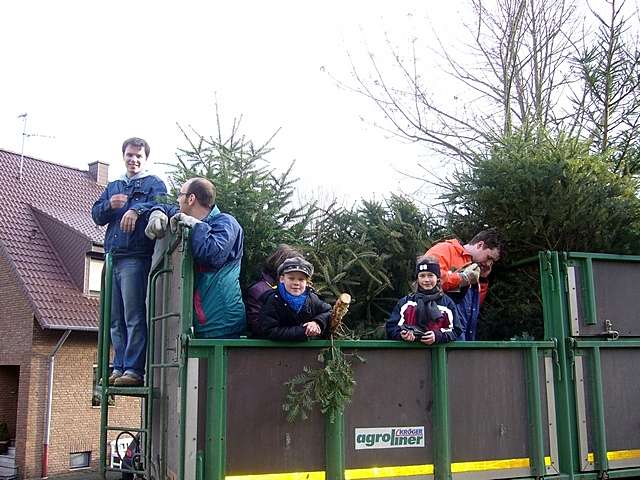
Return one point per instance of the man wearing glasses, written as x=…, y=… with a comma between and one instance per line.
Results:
x=464, y=271
x=123, y=207
x=216, y=245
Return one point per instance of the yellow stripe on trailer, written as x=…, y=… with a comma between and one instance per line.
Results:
x=484, y=465
x=386, y=472
x=279, y=476
x=617, y=455
x=399, y=471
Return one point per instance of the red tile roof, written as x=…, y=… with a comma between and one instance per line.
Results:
x=66, y=194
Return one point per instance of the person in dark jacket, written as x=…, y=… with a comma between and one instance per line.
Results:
x=257, y=292
x=123, y=207
x=293, y=311
x=217, y=241
x=428, y=316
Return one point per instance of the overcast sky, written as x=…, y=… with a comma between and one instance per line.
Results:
x=91, y=74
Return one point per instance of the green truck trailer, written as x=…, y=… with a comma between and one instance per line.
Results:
x=564, y=407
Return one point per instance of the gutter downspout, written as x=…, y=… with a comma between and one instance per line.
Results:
x=47, y=414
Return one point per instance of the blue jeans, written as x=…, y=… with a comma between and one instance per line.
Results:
x=129, y=314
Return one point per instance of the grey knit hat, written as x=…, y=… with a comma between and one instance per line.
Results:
x=296, y=264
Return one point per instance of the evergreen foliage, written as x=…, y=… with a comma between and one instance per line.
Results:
x=260, y=198
x=369, y=251
x=542, y=194
x=330, y=387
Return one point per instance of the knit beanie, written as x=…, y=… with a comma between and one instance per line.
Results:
x=428, y=266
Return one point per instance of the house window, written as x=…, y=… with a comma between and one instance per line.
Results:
x=94, y=275
x=79, y=460
x=95, y=400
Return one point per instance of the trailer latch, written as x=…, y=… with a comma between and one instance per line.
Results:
x=609, y=332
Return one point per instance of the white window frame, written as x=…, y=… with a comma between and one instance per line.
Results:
x=90, y=265
x=77, y=455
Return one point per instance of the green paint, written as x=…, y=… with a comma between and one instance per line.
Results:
x=440, y=417
x=534, y=404
x=103, y=360
x=600, y=437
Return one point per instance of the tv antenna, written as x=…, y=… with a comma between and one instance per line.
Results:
x=25, y=135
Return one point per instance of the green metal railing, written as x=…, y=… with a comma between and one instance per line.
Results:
x=559, y=348
x=215, y=352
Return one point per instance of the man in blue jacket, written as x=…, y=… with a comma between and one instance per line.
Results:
x=123, y=207
x=216, y=244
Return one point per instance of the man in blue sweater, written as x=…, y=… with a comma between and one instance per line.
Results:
x=123, y=207
x=216, y=245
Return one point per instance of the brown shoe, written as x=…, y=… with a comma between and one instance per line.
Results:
x=115, y=375
x=128, y=380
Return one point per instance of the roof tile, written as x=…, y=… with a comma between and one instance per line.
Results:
x=65, y=194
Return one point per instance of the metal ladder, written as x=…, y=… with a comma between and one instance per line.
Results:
x=149, y=391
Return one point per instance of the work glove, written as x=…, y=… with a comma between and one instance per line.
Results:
x=180, y=219
x=157, y=225
x=470, y=275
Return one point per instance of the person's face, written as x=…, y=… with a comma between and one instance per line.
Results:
x=294, y=282
x=427, y=280
x=485, y=257
x=185, y=200
x=134, y=159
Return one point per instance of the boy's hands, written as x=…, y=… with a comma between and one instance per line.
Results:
x=428, y=338
x=407, y=335
x=312, y=329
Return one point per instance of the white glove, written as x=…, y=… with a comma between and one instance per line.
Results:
x=182, y=219
x=470, y=274
x=157, y=225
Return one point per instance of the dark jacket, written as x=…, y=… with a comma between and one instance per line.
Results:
x=446, y=329
x=279, y=322
x=144, y=191
x=255, y=298
x=468, y=301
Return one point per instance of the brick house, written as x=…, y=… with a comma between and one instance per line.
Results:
x=51, y=257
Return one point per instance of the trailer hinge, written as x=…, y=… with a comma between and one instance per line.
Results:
x=556, y=358
x=571, y=355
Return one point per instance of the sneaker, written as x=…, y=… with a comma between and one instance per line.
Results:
x=114, y=375
x=128, y=380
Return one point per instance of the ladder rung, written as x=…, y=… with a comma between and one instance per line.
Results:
x=129, y=391
x=127, y=429
x=166, y=315
x=165, y=365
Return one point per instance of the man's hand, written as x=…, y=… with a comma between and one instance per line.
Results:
x=128, y=222
x=157, y=225
x=182, y=219
x=470, y=275
x=118, y=200
x=311, y=329
x=428, y=338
